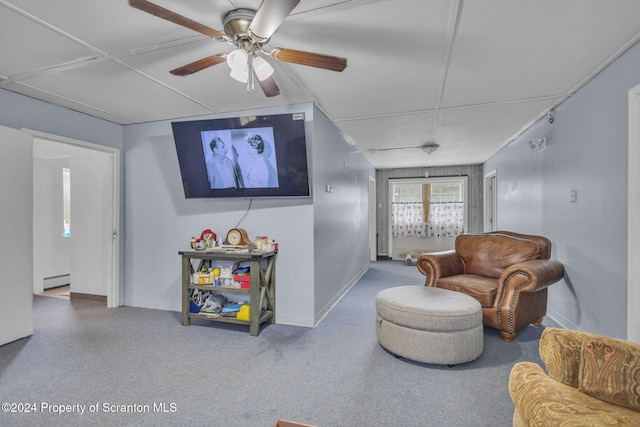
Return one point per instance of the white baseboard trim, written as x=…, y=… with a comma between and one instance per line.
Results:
x=55, y=281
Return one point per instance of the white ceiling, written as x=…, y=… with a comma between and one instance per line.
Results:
x=468, y=75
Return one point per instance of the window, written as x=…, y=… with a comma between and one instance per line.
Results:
x=66, y=201
x=433, y=207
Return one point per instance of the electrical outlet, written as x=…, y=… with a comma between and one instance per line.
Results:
x=574, y=196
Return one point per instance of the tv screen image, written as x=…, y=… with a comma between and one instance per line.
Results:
x=251, y=156
x=242, y=158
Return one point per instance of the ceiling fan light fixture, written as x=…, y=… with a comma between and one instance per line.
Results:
x=237, y=59
x=240, y=74
x=263, y=69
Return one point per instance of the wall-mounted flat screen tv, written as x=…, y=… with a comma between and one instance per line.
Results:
x=253, y=156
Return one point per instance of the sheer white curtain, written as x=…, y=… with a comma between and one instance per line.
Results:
x=407, y=220
x=445, y=220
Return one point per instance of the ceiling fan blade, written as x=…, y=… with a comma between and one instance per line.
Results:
x=269, y=16
x=199, y=65
x=269, y=86
x=318, y=60
x=163, y=13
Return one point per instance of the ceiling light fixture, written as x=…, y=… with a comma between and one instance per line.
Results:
x=263, y=69
x=430, y=147
x=243, y=64
x=237, y=61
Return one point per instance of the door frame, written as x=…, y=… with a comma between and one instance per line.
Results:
x=633, y=217
x=113, y=291
x=373, y=238
x=490, y=198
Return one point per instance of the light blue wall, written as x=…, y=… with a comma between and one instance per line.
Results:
x=341, y=222
x=587, y=151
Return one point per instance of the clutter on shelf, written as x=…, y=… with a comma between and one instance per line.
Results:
x=234, y=276
x=215, y=303
x=209, y=241
x=265, y=244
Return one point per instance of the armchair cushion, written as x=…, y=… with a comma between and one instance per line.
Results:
x=488, y=255
x=481, y=288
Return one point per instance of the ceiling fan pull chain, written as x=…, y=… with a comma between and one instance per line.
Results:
x=250, y=72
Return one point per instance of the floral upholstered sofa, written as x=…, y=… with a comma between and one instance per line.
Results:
x=592, y=381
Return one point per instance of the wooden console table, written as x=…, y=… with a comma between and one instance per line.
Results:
x=262, y=292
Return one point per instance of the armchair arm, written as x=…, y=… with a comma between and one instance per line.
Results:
x=520, y=284
x=439, y=264
x=531, y=276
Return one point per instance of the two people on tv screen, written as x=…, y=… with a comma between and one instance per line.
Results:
x=225, y=171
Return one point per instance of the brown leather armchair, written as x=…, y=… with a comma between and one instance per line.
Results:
x=508, y=273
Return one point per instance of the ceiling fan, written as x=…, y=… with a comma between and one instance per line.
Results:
x=248, y=30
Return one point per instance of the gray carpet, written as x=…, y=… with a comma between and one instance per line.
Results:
x=213, y=374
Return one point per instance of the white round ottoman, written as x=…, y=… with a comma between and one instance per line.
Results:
x=429, y=325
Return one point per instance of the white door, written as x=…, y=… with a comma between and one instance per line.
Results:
x=91, y=229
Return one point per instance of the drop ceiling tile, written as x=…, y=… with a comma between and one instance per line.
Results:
x=393, y=49
x=114, y=26
x=396, y=131
x=112, y=88
x=36, y=46
x=518, y=49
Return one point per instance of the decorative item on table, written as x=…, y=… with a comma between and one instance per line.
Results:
x=206, y=241
x=239, y=237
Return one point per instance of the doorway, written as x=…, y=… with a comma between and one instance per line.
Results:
x=373, y=237
x=490, y=202
x=89, y=233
